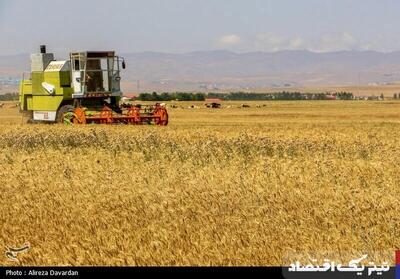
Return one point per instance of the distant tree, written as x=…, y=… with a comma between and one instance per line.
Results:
x=241, y=96
x=199, y=97
x=9, y=97
x=154, y=96
x=344, y=95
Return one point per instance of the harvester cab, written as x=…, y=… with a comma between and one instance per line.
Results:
x=95, y=73
x=84, y=89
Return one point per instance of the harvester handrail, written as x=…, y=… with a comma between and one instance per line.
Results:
x=98, y=70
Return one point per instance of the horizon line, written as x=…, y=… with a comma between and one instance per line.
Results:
x=229, y=51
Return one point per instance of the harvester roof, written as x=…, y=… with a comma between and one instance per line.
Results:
x=213, y=100
x=94, y=54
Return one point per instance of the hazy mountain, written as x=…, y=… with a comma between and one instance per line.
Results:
x=224, y=69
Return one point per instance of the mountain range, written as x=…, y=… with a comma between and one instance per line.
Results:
x=222, y=70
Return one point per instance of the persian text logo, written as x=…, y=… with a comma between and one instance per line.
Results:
x=12, y=252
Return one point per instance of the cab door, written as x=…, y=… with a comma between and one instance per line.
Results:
x=77, y=76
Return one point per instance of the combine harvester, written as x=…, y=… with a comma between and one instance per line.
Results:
x=82, y=90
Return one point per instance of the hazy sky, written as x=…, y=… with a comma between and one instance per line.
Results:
x=192, y=25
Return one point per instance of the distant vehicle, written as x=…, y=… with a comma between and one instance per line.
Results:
x=213, y=103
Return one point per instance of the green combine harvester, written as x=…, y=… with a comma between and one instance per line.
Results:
x=84, y=89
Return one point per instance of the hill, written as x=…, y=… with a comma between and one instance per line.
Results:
x=223, y=70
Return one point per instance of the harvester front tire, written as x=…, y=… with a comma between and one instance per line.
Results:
x=61, y=113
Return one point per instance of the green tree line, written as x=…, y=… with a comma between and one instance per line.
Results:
x=9, y=97
x=243, y=96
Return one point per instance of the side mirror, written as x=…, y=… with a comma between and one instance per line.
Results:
x=123, y=64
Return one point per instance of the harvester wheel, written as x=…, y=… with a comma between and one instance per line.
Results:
x=65, y=114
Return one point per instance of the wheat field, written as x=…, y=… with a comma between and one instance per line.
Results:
x=231, y=186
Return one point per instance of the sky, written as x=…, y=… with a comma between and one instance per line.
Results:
x=180, y=26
